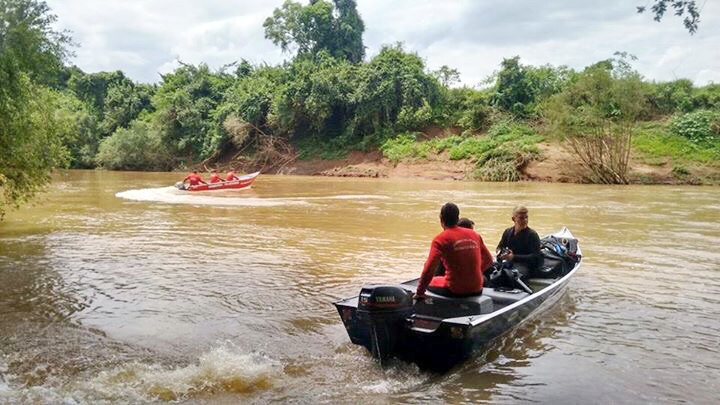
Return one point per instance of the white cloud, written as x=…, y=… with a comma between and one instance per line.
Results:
x=146, y=37
x=708, y=76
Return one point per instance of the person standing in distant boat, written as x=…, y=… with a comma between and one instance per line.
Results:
x=215, y=177
x=231, y=176
x=520, y=245
x=194, y=179
x=463, y=254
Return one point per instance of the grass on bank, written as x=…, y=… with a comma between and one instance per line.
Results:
x=658, y=143
x=658, y=146
x=499, y=156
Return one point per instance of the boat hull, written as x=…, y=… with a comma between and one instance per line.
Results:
x=457, y=340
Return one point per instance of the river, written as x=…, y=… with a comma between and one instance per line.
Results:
x=116, y=288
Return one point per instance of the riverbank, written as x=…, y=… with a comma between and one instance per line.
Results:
x=554, y=165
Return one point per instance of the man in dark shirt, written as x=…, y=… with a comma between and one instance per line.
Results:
x=520, y=245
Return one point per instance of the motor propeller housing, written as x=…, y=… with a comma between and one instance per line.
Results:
x=384, y=309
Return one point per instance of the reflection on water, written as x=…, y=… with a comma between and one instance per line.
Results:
x=117, y=287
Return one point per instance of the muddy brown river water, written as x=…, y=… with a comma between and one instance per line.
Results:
x=117, y=288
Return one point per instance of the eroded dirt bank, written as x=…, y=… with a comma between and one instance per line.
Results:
x=556, y=165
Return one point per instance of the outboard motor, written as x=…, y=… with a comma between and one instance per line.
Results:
x=384, y=309
x=180, y=185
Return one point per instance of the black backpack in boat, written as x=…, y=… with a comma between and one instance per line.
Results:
x=559, y=254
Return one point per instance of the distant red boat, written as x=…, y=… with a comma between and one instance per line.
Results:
x=242, y=182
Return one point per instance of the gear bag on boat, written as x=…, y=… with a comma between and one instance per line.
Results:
x=559, y=254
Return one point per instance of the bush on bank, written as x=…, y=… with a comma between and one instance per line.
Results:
x=499, y=155
x=701, y=127
x=136, y=148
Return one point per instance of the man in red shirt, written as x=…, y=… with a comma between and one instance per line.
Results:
x=231, y=176
x=194, y=179
x=215, y=177
x=462, y=252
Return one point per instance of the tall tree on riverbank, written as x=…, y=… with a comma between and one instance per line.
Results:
x=520, y=88
x=318, y=26
x=184, y=104
x=112, y=101
x=31, y=55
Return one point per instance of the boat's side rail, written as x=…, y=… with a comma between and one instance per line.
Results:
x=557, y=285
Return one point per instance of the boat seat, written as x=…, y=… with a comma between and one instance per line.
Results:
x=504, y=298
x=440, y=306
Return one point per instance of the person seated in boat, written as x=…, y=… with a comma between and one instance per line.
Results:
x=466, y=223
x=194, y=179
x=463, y=223
x=463, y=254
x=230, y=176
x=520, y=245
x=215, y=177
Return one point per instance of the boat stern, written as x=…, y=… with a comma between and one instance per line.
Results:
x=378, y=318
x=347, y=309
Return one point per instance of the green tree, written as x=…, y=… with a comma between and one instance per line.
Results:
x=246, y=107
x=78, y=129
x=594, y=116
x=394, y=93
x=315, y=99
x=318, y=26
x=184, y=105
x=669, y=97
x=31, y=54
x=138, y=147
x=707, y=97
x=92, y=88
x=513, y=91
x=466, y=108
x=124, y=101
x=682, y=8
x=447, y=76
x=519, y=88
x=113, y=97
x=111, y=101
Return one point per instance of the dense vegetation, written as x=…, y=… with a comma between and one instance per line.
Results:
x=327, y=100
x=32, y=135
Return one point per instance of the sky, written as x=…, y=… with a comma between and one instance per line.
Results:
x=147, y=38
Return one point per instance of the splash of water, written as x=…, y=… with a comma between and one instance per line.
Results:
x=171, y=195
x=224, y=369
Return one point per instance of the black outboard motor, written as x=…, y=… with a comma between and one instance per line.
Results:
x=384, y=310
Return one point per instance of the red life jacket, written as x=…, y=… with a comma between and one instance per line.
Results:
x=194, y=179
